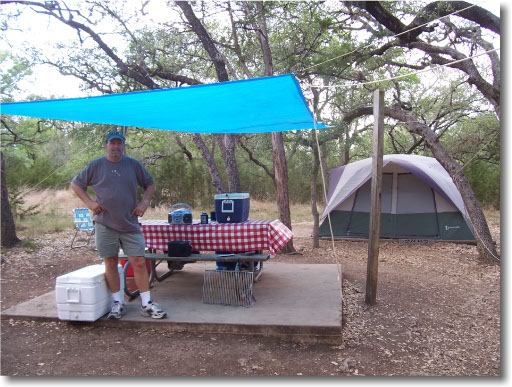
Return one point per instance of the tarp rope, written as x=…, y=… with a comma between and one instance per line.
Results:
x=338, y=264
x=360, y=84
x=394, y=36
x=57, y=169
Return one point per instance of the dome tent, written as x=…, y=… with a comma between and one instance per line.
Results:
x=418, y=201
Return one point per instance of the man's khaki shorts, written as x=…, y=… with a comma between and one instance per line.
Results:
x=109, y=240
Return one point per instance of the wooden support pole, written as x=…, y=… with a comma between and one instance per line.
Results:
x=374, y=231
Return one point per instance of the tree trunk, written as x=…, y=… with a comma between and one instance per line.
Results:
x=485, y=245
x=280, y=166
x=227, y=148
x=227, y=143
x=210, y=162
x=9, y=237
x=281, y=172
x=345, y=138
x=206, y=40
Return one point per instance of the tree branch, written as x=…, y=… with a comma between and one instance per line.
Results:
x=254, y=159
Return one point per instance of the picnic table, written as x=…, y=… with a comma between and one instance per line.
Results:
x=267, y=234
x=251, y=242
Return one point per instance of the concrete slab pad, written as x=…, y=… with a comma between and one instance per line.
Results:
x=297, y=301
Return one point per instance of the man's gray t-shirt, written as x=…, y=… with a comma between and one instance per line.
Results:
x=115, y=185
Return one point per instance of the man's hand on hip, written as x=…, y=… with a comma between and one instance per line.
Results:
x=140, y=209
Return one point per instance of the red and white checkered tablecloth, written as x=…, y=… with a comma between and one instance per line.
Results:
x=268, y=234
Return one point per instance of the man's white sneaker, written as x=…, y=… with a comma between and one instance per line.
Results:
x=117, y=311
x=152, y=310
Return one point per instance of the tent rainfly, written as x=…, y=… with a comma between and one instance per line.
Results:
x=257, y=105
x=418, y=201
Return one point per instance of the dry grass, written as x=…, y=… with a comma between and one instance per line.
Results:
x=52, y=201
x=258, y=210
x=492, y=215
x=55, y=212
x=56, y=206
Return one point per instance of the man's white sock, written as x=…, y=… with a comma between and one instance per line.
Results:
x=145, y=298
x=118, y=297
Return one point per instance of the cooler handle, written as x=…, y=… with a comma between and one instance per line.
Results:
x=229, y=209
x=179, y=205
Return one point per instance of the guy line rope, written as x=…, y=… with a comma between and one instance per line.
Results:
x=393, y=36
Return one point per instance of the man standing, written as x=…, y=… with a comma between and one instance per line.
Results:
x=115, y=180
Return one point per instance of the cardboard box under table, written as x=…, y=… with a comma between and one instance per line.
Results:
x=83, y=295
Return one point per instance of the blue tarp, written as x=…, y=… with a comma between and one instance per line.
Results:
x=269, y=104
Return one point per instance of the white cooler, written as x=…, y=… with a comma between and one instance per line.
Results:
x=83, y=295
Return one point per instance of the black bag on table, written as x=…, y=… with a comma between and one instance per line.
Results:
x=179, y=249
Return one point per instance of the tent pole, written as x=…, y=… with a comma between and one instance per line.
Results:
x=437, y=214
x=374, y=234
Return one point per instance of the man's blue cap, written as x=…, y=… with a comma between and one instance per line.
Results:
x=114, y=134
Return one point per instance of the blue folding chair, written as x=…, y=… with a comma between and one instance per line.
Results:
x=84, y=228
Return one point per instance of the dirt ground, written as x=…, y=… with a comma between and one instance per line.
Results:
x=438, y=313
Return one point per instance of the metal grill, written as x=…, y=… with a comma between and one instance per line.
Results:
x=228, y=287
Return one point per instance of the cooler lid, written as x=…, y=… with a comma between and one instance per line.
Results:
x=87, y=275
x=232, y=195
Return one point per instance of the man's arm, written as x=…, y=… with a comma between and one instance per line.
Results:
x=144, y=204
x=91, y=204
